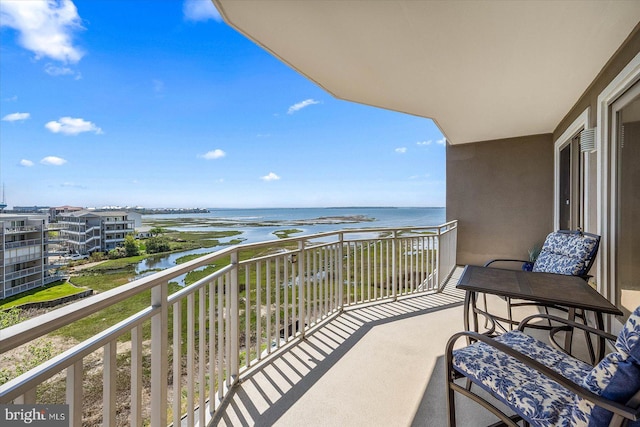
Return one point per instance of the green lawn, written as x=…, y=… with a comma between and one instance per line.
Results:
x=54, y=291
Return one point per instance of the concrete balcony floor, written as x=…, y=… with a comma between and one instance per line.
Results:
x=381, y=365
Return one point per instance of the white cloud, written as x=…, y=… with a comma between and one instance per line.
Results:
x=45, y=27
x=72, y=126
x=270, y=177
x=53, y=161
x=200, y=10
x=401, y=150
x=26, y=163
x=13, y=98
x=419, y=176
x=213, y=154
x=424, y=142
x=300, y=105
x=54, y=70
x=14, y=117
x=72, y=185
x=442, y=141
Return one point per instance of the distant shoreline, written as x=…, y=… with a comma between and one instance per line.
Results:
x=218, y=222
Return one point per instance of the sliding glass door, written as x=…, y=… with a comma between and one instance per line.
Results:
x=570, y=186
x=625, y=133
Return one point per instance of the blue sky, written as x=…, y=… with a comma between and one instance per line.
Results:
x=161, y=104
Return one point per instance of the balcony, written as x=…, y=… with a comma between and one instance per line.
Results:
x=22, y=229
x=23, y=243
x=293, y=308
x=21, y=288
x=22, y=258
x=23, y=272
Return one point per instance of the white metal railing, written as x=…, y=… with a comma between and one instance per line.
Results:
x=21, y=288
x=22, y=229
x=195, y=343
x=23, y=243
x=23, y=272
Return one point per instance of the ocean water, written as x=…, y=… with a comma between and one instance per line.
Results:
x=383, y=217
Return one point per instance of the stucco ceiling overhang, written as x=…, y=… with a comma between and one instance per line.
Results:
x=482, y=70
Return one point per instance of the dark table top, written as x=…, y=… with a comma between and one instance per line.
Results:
x=558, y=289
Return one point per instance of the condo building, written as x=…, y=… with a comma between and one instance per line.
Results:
x=90, y=231
x=27, y=243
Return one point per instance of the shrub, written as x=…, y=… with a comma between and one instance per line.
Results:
x=131, y=246
x=157, y=244
x=117, y=253
x=97, y=256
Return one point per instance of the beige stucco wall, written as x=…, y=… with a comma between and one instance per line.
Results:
x=501, y=192
x=589, y=99
x=620, y=59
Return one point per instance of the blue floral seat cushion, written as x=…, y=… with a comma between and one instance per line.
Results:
x=537, y=399
x=616, y=377
x=566, y=253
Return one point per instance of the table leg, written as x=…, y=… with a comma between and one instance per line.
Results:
x=467, y=302
x=470, y=309
x=568, y=338
x=474, y=312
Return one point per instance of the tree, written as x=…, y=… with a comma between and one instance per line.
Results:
x=131, y=246
x=157, y=231
x=157, y=244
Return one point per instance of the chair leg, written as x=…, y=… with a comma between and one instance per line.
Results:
x=451, y=403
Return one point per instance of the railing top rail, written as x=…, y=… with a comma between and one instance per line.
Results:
x=44, y=371
x=31, y=329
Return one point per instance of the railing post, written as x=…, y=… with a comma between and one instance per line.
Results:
x=74, y=394
x=301, y=289
x=394, y=266
x=109, y=406
x=159, y=363
x=341, y=272
x=438, y=258
x=235, y=320
x=136, y=377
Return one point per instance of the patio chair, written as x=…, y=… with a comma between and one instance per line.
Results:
x=563, y=252
x=544, y=386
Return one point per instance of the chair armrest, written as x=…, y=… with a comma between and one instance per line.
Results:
x=524, y=323
x=610, y=405
x=487, y=264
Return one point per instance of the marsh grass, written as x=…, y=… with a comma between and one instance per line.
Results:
x=283, y=234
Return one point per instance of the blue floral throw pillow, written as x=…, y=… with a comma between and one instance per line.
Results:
x=565, y=253
x=616, y=377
